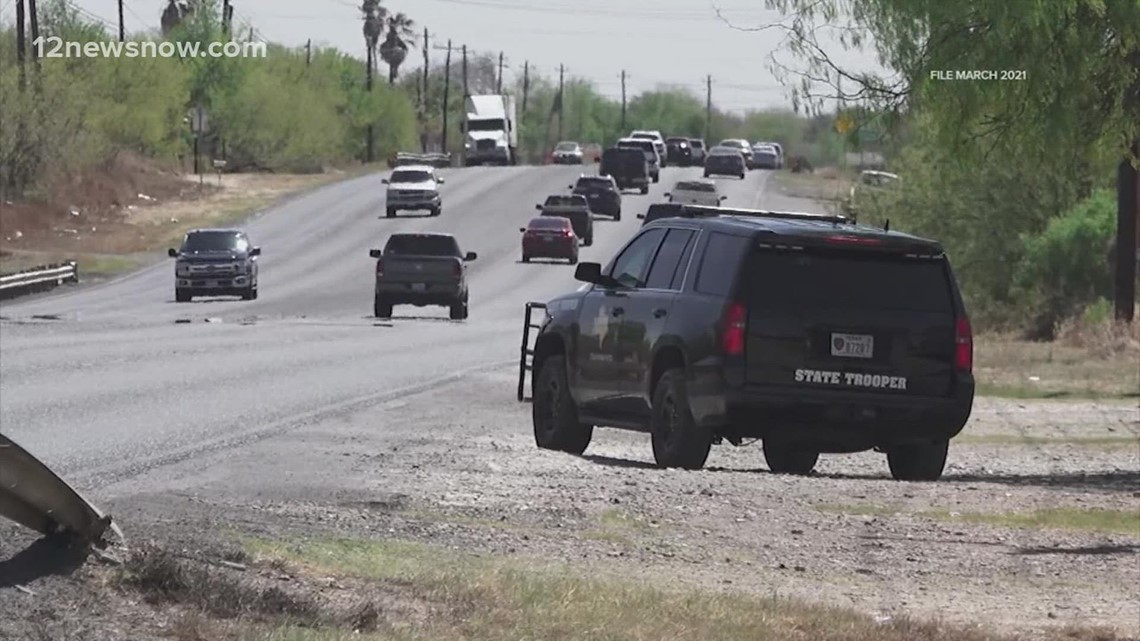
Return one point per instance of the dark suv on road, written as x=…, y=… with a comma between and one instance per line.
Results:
x=628, y=167
x=215, y=262
x=679, y=152
x=810, y=332
x=601, y=193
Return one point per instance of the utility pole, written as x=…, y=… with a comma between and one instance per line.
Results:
x=623, y=100
x=465, y=91
x=446, y=93
x=225, y=15
x=500, y=90
x=526, y=83
x=122, y=27
x=309, y=52
x=21, y=43
x=1127, y=237
x=708, y=109
x=423, y=96
x=427, y=67
x=368, y=85
x=561, y=103
x=34, y=25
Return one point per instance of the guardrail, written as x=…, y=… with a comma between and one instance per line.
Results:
x=434, y=159
x=38, y=279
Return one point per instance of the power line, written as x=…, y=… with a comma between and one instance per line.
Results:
x=689, y=16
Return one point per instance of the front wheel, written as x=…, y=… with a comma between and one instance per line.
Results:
x=784, y=458
x=381, y=308
x=553, y=412
x=391, y=213
x=678, y=440
x=181, y=296
x=645, y=190
x=435, y=211
x=918, y=462
x=458, y=311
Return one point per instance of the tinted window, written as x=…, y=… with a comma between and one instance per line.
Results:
x=549, y=222
x=410, y=176
x=718, y=265
x=802, y=280
x=630, y=267
x=679, y=276
x=661, y=210
x=594, y=183
x=566, y=146
x=206, y=241
x=665, y=266
x=422, y=245
x=565, y=201
x=644, y=145
x=491, y=124
x=696, y=186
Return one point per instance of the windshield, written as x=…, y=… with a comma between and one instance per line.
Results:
x=644, y=136
x=565, y=201
x=490, y=124
x=696, y=186
x=208, y=241
x=697, y=143
x=593, y=183
x=421, y=245
x=566, y=146
x=410, y=176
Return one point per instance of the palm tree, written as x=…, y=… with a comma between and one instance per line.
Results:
x=374, y=16
x=400, y=38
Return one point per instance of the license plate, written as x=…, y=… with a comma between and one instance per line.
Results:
x=418, y=287
x=852, y=345
x=548, y=239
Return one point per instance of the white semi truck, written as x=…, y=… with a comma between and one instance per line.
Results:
x=490, y=130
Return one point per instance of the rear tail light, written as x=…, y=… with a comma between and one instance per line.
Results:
x=732, y=330
x=963, y=346
x=853, y=240
x=379, y=267
x=458, y=269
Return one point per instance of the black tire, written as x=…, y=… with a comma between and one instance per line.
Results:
x=391, y=213
x=783, y=458
x=381, y=308
x=589, y=239
x=617, y=216
x=553, y=413
x=574, y=259
x=742, y=176
x=435, y=211
x=181, y=296
x=645, y=190
x=458, y=311
x=525, y=258
x=247, y=294
x=253, y=294
x=657, y=179
x=706, y=174
x=918, y=462
x=678, y=441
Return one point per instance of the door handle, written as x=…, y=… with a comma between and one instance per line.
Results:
x=660, y=312
x=618, y=311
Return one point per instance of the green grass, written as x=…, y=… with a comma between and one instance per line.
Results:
x=1092, y=520
x=483, y=598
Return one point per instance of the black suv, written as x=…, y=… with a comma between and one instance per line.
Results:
x=628, y=167
x=810, y=332
x=679, y=151
x=601, y=193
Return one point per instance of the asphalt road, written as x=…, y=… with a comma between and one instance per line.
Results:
x=113, y=385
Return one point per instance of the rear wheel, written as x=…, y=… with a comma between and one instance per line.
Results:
x=784, y=458
x=525, y=258
x=381, y=308
x=918, y=462
x=678, y=440
x=391, y=212
x=435, y=211
x=706, y=174
x=617, y=215
x=458, y=311
x=645, y=190
x=553, y=412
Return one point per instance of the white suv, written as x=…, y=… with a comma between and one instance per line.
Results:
x=701, y=191
x=658, y=141
x=413, y=187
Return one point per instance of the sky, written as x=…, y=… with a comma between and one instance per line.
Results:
x=677, y=42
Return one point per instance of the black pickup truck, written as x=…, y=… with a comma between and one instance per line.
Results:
x=421, y=269
x=812, y=333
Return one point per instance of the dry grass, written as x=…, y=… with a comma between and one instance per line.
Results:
x=827, y=184
x=480, y=598
x=1099, y=364
x=1092, y=520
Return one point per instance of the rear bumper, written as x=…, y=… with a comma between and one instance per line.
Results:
x=830, y=421
x=432, y=294
x=627, y=182
x=604, y=206
x=559, y=249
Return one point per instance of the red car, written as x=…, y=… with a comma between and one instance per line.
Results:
x=549, y=237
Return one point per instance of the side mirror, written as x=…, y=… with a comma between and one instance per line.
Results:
x=668, y=195
x=470, y=256
x=173, y=253
x=641, y=216
x=588, y=273
x=375, y=253
x=570, y=187
x=598, y=159
x=439, y=181
x=256, y=251
x=538, y=207
x=724, y=197
x=385, y=181
x=522, y=229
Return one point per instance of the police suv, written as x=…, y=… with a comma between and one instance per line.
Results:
x=716, y=324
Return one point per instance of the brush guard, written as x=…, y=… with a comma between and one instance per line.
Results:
x=526, y=353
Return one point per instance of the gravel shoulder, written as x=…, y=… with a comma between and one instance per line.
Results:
x=1024, y=532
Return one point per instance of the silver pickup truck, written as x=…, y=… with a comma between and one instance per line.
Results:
x=421, y=269
x=413, y=187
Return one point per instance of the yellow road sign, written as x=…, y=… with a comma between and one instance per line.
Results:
x=843, y=123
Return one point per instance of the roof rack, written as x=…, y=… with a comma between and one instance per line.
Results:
x=703, y=210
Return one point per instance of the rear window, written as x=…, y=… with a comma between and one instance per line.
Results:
x=644, y=145
x=422, y=245
x=565, y=201
x=803, y=279
x=696, y=186
x=594, y=183
x=549, y=222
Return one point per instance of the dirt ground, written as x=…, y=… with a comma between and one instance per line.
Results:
x=115, y=219
x=1035, y=526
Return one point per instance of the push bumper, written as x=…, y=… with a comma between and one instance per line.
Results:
x=420, y=294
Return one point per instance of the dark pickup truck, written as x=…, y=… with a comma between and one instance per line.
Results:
x=215, y=262
x=421, y=269
x=812, y=333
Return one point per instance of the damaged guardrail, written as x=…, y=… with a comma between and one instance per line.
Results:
x=38, y=279
x=439, y=160
x=35, y=497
